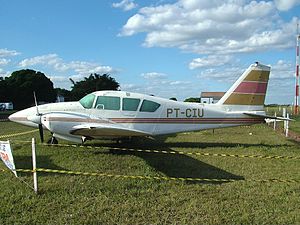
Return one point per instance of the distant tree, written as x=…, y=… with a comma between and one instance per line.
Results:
x=94, y=82
x=21, y=84
x=173, y=98
x=192, y=100
x=3, y=90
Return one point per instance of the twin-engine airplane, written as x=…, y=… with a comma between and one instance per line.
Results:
x=119, y=114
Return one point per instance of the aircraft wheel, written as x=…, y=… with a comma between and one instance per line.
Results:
x=52, y=141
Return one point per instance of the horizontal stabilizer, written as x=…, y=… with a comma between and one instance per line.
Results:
x=269, y=117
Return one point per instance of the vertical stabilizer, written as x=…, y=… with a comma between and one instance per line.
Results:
x=249, y=91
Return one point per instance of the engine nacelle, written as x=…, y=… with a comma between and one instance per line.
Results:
x=61, y=123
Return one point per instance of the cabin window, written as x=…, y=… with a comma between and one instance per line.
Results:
x=149, y=106
x=87, y=101
x=108, y=102
x=130, y=104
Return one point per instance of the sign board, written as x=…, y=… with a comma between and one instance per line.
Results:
x=6, y=156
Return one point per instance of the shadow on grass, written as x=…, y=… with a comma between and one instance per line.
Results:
x=183, y=166
x=173, y=165
x=25, y=162
x=203, y=145
x=159, y=144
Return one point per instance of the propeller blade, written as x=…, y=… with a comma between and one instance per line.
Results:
x=36, y=105
x=41, y=132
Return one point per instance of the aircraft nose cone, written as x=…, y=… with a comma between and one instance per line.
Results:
x=12, y=117
x=22, y=117
x=18, y=117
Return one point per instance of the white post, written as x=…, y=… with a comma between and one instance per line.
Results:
x=274, y=122
x=287, y=126
x=284, y=116
x=35, y=183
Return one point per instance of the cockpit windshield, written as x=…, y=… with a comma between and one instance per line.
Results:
x=87, y=101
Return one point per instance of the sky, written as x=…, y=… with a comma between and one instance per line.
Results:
x=168, y=48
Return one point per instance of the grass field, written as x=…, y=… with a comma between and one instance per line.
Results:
x=70, y=199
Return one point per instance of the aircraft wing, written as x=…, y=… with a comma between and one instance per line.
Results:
x=269, y=117
x=100, y=130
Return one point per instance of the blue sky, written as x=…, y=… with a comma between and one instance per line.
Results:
x=166, y=48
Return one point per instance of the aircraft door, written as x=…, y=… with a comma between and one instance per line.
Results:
x=98, y=111
x=158, y=127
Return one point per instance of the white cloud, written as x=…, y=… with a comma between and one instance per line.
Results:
x=54, y=61
x=281, y=87
x=214, y=27
x=50, y=59
x=153, y=75
x=179, y=82
x=210, y=61
x=62, y=69
x=4, y=73
x=226, y=75
x=4, y=62
x=282, y=70
x=132, y=87
x=159, y=84
x=285, y=5
x=125, y=5
x=7, y=53
x=82, y=67
x=58, y=78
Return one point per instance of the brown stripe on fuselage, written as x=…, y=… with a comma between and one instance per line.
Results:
x=71, y=119
x=245, y=99
x=188, y=120
x=164, y=120
x=258, y=75
x=245, y=120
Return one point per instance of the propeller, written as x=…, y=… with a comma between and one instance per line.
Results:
x=41, y=130
x=37, y=118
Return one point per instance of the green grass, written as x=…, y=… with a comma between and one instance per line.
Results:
x=295, y=125
x=70, y=199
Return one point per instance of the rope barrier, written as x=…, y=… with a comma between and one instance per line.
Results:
x=18, y=134
x=69, y=172
x=170, y=152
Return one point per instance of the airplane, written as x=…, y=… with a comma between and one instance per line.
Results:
x=121, y=114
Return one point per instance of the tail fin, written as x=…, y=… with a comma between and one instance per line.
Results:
x=249, y=91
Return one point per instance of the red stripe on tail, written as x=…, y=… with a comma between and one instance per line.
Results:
x=251, y=88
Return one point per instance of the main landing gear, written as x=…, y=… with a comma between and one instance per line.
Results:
x=52, y=141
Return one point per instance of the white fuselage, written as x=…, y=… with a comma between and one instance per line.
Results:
x=170, y=116
x=120, y=114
